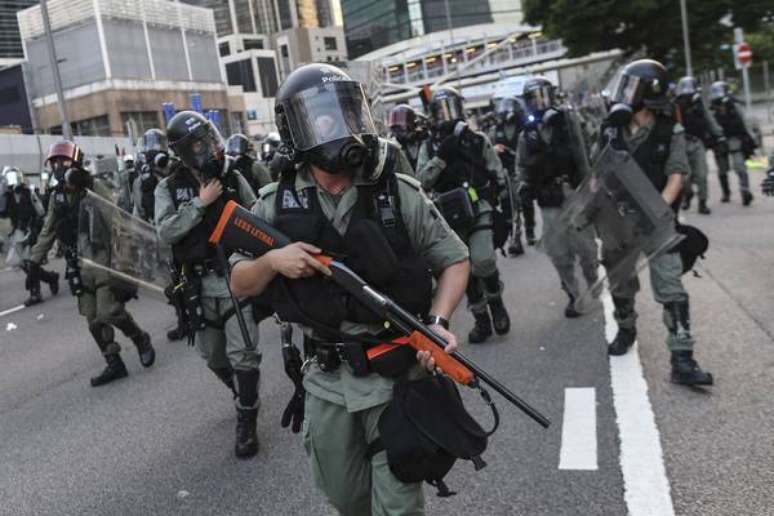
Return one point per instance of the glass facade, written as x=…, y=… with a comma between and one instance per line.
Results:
x=373, y=24
x=10, y=40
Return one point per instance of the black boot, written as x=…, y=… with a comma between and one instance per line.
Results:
x=687, y=198
x=747, y=198
x=247, y=412
x=35, y=297
x=569, y=311
x=624, y=339
x=500, y=318
x=515, y=248
x=226, y=375
x=145, y=349
x=246, y=435
x=177, y=333
x=115, y=370
x=530, y=234
x=686, y=371
x=703, y=210
x=482, y=330
x=52, y=278
x=726, y=190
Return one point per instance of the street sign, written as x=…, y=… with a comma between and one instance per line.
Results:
x=743, y=54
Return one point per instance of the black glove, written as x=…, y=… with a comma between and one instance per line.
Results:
x=294, y=412
x=291, y=357
x=448, y=148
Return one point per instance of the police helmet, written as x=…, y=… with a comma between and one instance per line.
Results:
x=539, y=95
x=643, y=83
x=323, y=116
x=197, y=143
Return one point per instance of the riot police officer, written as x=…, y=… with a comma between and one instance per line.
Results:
x=100, y=301
x=404, y=129
x=741, y=144
x=25, y=211
x=269, y=146
x=337, y=199
x=188, y=204
x=127, y=174
x=504, y=134
x=462, y=168
x=657, y=143
x=155, y=162
x=240, y=150
x=552, y=161
x=701, y=131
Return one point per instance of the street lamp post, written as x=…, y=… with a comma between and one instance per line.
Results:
x=686, y=39
x=66, y=132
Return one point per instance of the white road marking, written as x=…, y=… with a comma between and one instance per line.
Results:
x=646, y=487
x=579, y=430
x=12, y=310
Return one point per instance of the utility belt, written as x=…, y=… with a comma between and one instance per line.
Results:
x=389, y=359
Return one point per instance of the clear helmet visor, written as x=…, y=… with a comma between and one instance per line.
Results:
x=505, y=106
x=13, y=177
x=718, y=90
x=539, y=99
x=154, y=141
x=328, y=112
x=446, y=109
x=686, y=86
x=200, y=148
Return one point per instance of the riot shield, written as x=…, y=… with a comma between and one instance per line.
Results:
x=113, y=243
x=631, y=219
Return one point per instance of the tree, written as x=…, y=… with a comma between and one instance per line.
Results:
x=652, y=26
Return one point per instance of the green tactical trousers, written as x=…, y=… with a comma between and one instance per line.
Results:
x=98, y=304
x=564, y=245
x=697, y=159
x=224, y=348
x=734, y=159
x=336, y=442
x=666, y=273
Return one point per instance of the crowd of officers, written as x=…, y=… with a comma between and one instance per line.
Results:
x=440, y=192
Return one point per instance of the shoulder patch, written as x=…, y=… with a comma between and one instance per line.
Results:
x=268, y=190
x=411, y=181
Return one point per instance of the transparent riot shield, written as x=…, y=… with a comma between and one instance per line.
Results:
x=125, y=249
x=631, y=220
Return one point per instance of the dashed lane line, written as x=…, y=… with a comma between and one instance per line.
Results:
x=12, y=310
x=579, y=430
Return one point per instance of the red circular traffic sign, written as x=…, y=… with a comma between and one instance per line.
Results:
x=744, y=53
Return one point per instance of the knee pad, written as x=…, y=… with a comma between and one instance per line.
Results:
x=103, y=333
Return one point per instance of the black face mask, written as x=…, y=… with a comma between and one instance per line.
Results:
x=212, y=168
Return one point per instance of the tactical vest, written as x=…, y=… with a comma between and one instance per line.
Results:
x=549, y=165
x=22, y=212
x=694, y=120
x=458, y=169
x=376, y=222
x=194, y=248
x=148, y=183
x=66, y=216
x=653, y=153
x=732, y=124
x=500, y=137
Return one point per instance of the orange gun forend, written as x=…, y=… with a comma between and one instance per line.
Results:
x=224, y=218
x=325, y=260
x=445, y=362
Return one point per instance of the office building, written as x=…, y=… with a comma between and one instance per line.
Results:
x=10, y=40
x=121, y=61
x=372, y=24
